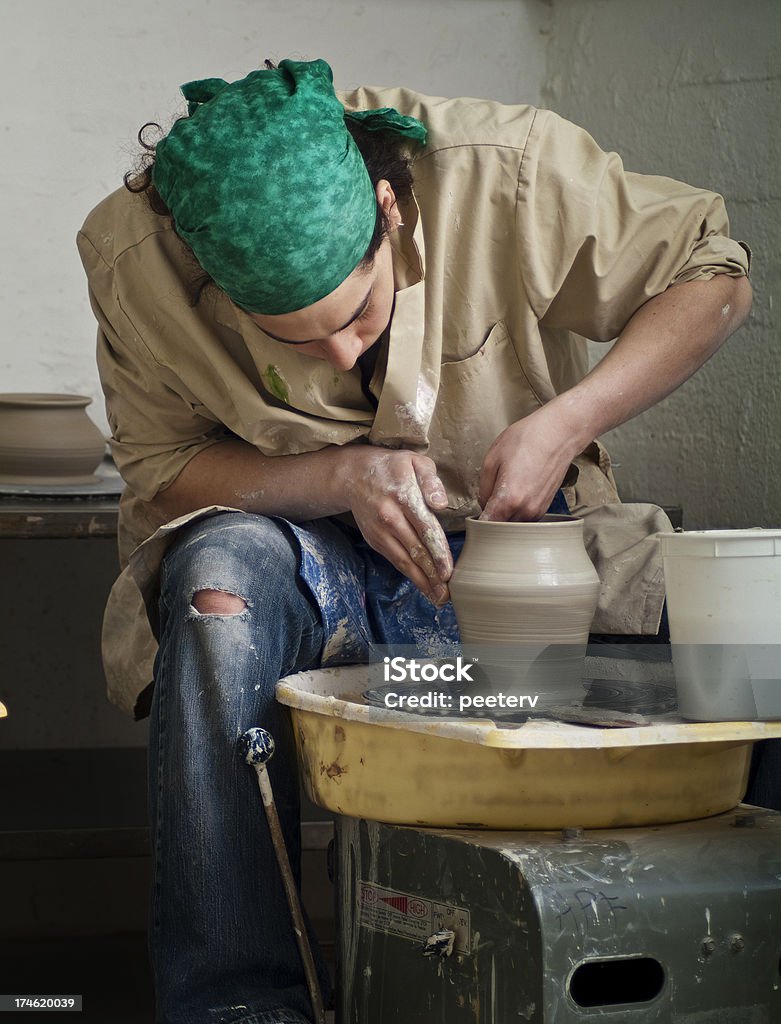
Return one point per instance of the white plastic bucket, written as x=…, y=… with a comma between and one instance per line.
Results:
x=724, y=606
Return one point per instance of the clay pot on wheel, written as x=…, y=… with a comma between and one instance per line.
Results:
x=48, y=439
x=524, y=595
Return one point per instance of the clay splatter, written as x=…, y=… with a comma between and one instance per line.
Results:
x=333, y=771
x=415, y=417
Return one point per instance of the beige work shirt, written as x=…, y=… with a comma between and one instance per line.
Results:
x=524, y=239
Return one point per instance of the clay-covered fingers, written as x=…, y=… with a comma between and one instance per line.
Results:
x=431, y=536
x=411, y=558
x=487, y=482
x=508, y=501
x=501, y=498
x=429, y=493
x=391, y=534
x=426, y=557
x=420, y=556
x=395, y=519
x=431, y=487
x=522, y=471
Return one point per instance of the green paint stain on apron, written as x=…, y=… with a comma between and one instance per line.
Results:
x=276, y=383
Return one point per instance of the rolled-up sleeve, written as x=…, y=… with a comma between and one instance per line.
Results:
x=156, y=426
x=596, y=241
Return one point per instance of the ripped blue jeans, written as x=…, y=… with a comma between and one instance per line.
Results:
x=221, y=942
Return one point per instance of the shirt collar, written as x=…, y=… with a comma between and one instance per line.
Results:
x=407, y=246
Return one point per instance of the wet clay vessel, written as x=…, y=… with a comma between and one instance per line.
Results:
x=524, y=595
x=48, y=439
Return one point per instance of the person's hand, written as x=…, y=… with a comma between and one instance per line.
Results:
x=524, y=468
x=392, y=495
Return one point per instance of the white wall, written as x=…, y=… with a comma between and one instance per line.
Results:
x=691, y=90
x=79, y=77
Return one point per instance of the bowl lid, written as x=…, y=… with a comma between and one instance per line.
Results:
x=42, y=399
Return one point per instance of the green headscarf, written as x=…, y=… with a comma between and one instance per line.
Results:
x=267, y=187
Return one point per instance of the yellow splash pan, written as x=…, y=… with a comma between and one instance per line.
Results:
x=369, y=762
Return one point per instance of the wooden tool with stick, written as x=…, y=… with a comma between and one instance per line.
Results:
x=257, y=745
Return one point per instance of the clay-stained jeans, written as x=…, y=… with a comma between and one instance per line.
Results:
x=221, y=942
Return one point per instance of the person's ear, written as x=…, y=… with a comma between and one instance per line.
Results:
x=386, y=197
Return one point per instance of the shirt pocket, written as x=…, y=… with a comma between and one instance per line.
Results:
x=479, y=397
x=486, y=391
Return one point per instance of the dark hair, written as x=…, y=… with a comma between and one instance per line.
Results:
x=386, y=155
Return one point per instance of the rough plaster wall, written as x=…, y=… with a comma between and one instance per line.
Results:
x=80, y=79
x=691, y=90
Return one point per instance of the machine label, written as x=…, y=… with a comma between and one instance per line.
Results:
x=411, y=917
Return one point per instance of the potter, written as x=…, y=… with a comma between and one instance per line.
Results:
x=325, y=343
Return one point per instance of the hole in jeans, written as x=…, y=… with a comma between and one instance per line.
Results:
x=218, y=602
